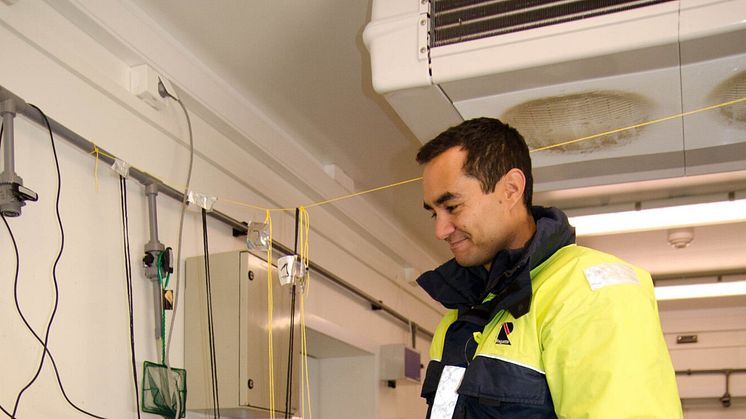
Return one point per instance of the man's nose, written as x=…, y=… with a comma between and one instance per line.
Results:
x=443, y=227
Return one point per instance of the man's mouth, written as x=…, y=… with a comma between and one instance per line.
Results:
x=457, y=242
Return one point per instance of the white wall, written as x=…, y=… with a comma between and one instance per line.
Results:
x=721, y=344
x=48, y=61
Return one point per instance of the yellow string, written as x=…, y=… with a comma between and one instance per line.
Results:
x=304, y=369
x=339, y=198
x=270, y=303
x=548, y=147
x=244, y=204
x=303, y=231
x=98, y=153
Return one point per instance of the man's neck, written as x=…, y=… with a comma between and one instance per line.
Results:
x=526, y=228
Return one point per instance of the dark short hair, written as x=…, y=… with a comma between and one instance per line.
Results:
x=492, y=149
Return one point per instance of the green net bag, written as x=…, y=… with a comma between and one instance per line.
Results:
x=163, y=390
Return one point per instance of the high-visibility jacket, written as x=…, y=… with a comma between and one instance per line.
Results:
x=590, y=346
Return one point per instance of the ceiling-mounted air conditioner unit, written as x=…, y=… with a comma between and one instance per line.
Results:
x=561, y=70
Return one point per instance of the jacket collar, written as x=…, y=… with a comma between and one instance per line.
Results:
x=509, y=279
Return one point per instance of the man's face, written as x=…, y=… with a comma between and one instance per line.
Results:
x=476, y=225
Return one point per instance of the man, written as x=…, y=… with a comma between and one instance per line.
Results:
x=536, y=327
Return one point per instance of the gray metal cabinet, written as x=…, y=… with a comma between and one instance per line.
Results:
x=240, y=311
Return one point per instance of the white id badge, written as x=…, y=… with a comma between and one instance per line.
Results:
x=446, y=396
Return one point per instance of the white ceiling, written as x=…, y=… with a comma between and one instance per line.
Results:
x=304, y=64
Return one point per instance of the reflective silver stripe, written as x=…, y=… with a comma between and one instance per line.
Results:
x=606, y=274
x=510, y=361
x=446, y=396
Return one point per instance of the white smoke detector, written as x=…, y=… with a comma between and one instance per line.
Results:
x=680, y=238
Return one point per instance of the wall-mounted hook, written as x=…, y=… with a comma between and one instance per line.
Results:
x=725, y=400
x=13, y=195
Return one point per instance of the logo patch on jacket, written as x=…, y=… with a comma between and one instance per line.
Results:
x=502, y=336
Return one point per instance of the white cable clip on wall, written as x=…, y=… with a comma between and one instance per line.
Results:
x=201, y=200
x=291, y=270
x=121, y=167
x=257, y=236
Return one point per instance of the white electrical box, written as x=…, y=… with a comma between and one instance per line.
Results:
x=144, y=84
x=240, y=313
x=399, y=362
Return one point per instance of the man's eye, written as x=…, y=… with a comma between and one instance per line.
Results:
x=451, y=208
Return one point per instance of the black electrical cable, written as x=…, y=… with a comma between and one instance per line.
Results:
x=210, y=323
x=128, y=274
x=289, y=379
x=15, y=247
x=51, y=358
x=289, y=388
x=56, y=288
x=45, y=343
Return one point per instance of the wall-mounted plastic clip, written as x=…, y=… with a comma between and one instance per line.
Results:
x=257, y=236
x=291, y=270
x=201, y=200
x=121, y=167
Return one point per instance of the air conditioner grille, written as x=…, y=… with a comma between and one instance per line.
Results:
x=454, y=21
x=731, y=89
x=555, y=120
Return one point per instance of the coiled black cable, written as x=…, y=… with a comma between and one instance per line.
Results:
x=289, y=378
x=56, y=289
x=15, y=247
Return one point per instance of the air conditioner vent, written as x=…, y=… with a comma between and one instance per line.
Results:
x=732, y=89
x=454, y=21
x=553, y=120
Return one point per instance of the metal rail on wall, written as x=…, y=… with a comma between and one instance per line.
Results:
x=725, y=399
x=239, y=228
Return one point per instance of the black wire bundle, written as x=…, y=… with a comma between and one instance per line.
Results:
x=45, y=341
x=210, y=324
x=17, y=264
x=128, y=274
x=289, y=382
x=289, y=388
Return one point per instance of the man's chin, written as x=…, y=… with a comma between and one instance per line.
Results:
x=468, y=261
x=465, y=261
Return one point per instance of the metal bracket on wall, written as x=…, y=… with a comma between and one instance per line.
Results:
x=157, y=264
x=13, y=195
x=725, y=399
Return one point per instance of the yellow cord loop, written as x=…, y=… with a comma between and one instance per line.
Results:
x=303, y=232
x=306, y=393
x=270, y=304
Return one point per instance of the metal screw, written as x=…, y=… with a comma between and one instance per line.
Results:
x=423, y=22
x=251, y=384
x=251, y=275
x=423, y=50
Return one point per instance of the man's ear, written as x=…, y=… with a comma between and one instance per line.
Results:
x=515, y=184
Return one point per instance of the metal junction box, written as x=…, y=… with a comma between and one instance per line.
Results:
x=399, y=362
x=240, y=313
